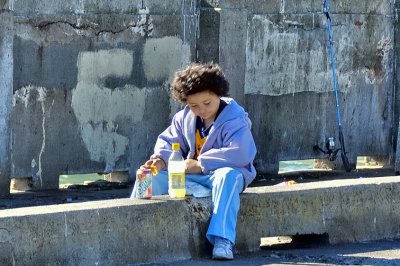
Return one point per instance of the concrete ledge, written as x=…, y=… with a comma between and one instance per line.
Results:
x=352, y=210
x=131, y=231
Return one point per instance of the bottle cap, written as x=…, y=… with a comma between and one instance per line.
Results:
x=176, y=146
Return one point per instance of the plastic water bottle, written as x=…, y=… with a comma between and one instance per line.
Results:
x=176, y=173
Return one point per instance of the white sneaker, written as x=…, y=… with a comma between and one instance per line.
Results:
x=222, y=249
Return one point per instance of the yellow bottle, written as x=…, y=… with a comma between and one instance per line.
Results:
x=176, y=173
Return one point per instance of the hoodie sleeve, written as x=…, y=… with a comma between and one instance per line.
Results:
x=237, y=150
x=173, y=133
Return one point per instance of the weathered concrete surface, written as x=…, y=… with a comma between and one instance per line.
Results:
x=35, y=7
x=292, y=54
x=5, y=4
x=92, y=74
x=232, y=42
x=102, y=233
x=306, y=6
x=396, y=120
x=6, y=77
x=207, y=45
x=353, y=210
x=288, y=84
x=128, y=231
x=89, y=76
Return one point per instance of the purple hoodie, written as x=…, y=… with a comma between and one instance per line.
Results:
x=229, y=142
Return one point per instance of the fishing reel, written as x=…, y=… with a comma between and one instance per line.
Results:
x=330, y=148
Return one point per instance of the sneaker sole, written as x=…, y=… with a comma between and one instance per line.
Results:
x=216, y=257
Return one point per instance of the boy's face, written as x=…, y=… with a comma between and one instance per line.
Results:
x=204, y=104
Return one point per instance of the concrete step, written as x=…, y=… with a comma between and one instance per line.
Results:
x=128, y=231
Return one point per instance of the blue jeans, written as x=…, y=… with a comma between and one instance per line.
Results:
x=226, y=184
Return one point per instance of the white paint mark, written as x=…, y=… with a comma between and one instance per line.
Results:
x=313, y=21
x=96, y=106
x=93, y=66
x=198, y=27
x=65, y=225
x=13, y=258
x=184, y=28
x=80, y=7
x=384, y=46
x=33, y=163
x=323, y=212
x=144, y=25
x=21, y=95
x=144, y=11
x=24, y=96
x=282, y=8
x=163, y=56
x=293, y=22
x=166, y=237
x=42, y=97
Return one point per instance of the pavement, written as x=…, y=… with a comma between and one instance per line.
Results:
x=379, y=253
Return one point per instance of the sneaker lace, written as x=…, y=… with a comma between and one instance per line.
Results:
x=224, y=243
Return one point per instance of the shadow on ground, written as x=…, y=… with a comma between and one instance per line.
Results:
x=320, y=175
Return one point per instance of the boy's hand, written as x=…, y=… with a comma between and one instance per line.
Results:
x=193, y=166
x=157, y=163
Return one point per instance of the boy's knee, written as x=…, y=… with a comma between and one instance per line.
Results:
x=228, y=174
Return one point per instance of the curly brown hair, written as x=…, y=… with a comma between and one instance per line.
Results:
x=197, y=78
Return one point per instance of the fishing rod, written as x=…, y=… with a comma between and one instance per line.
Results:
x=330, y=143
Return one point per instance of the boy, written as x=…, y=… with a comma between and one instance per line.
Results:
x=215, y=138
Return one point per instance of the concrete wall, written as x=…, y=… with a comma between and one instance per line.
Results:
x=396, y=124
x=287, y=79
x=91, y=78
x=91, y=82
x=6, y=75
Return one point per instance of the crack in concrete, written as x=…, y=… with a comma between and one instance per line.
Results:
x=45, y=24
x=148, y=31
x=143, y=25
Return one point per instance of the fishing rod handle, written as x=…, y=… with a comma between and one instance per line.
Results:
x=326, y=7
